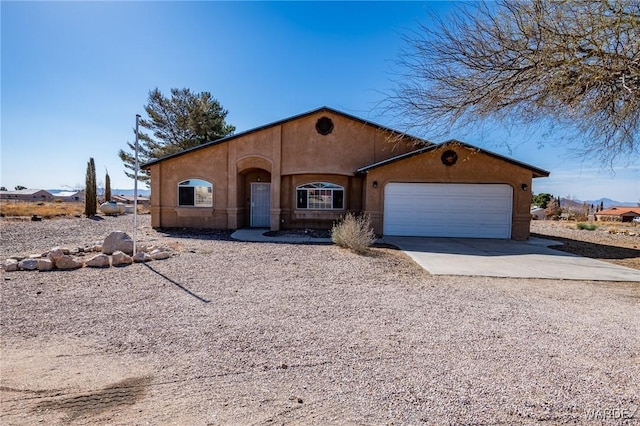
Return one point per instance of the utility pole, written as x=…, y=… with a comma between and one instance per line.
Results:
x=135, y=192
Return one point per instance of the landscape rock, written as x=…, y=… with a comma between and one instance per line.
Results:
x=45, y=264
x=158, y=254
x=141, y=256
x=67, y=262
x=98, y=261
x=56, y=253
x=119, y=258
x=117, y=241
x=10, y=265
x=28, y=264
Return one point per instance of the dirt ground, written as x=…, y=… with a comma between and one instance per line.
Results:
x=613, y=242
x=230, y=333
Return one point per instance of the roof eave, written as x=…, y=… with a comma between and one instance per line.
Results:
x=277, y=123
x=536, y=172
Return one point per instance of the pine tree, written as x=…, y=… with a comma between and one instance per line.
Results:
x=107, y=187
x=175, y=123
x=91, y=201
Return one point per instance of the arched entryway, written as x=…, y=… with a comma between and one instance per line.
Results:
x=257, y=190
x=254, y=192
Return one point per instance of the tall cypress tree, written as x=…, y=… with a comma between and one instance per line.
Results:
x=107, y=187
x=90, y=195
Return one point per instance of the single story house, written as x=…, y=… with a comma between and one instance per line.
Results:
x=538, y=213
x=618, y=214
x=33, y=195
x=70, y=196
x=307, y=171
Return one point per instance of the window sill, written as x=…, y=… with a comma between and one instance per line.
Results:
x=318, y=214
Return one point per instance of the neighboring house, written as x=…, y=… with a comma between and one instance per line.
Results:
x=128, y=199
x=307, y=171
x=618, y=214
x=538, y=213
x=70, y=196
x=27, y=195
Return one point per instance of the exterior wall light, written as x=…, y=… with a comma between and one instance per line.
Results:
x=524, y=186
x=375, y=183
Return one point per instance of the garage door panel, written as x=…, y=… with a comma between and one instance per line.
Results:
x=448, y=210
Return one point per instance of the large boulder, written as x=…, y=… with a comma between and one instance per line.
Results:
x=119, y=258
x=67, y=262
x=98, y=261
x=117, y=241
x=28, y=264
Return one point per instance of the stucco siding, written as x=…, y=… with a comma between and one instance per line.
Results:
x=209, y=165
x=290, y=153
x=349, y=146
x=471, y=167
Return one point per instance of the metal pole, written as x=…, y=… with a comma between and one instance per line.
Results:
x=135, y=192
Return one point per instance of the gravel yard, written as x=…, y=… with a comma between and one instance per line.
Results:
x=613, y=242
x=258, y=333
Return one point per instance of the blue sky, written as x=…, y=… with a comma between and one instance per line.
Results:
x=75, y=74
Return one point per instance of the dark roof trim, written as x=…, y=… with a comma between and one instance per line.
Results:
x=536, y=171
x=277, y=123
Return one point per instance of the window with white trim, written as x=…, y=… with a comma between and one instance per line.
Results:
x=195, y=193
x=320, y=196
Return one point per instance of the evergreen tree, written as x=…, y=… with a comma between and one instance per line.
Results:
x=107, y=187
x=183, y=121
x=91, y=201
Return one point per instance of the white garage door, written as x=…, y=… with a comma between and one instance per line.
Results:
x=448, y=210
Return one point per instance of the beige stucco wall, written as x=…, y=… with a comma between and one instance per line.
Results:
x=293, y=153
x=289, y=154
x=472, y=167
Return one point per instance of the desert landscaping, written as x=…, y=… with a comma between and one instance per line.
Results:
x=227, y=332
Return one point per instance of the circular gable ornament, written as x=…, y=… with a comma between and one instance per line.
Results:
x=324, y=125
x=449, y=158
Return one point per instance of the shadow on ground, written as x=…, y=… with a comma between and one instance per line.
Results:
x=592, y=250
x=198, y=233
x=126, y=392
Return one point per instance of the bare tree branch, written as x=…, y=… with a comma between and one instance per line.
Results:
x=572, y=63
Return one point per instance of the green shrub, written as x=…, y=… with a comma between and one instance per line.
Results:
x=587, y=226
x=353, y=232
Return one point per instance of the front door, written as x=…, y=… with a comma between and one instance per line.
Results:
x=260, y=205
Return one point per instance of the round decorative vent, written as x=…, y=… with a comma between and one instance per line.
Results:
x=324, y=125
x=449, y=158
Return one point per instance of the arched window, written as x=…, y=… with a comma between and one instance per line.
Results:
x=195, y=193
x=320, y=196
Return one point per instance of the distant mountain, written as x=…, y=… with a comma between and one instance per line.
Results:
x=608, y=202
x=141, y=192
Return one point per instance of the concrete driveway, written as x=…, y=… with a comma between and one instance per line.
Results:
x=506, y=258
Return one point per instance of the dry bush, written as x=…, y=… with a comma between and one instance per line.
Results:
x=353, y=232
x=587, y=226
x=44, y=209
